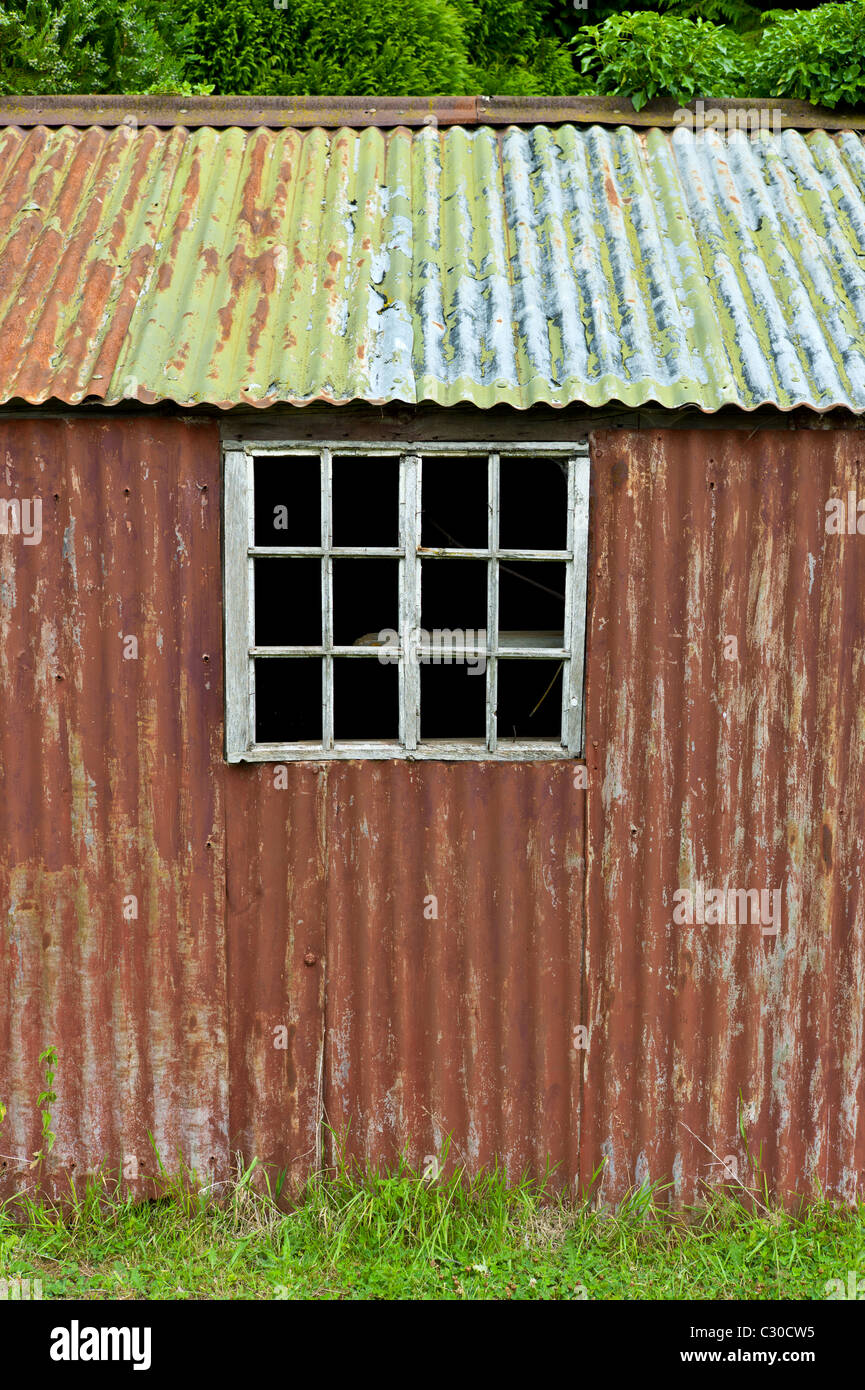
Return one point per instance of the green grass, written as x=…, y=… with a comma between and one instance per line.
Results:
x=355, y=1234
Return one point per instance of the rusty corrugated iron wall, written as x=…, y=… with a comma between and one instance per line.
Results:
x=287, y=970
x=417, y=930
x=110, y=789
x=276, y=909
x=743, y=773
x=454, y=958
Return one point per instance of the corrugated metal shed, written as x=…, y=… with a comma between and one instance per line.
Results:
x=514, y=266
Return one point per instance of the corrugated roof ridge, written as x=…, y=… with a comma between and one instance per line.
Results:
x=333, y=112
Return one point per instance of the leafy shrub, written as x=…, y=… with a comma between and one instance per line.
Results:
x=816, y=55
x=738, y=14
x=663, y=48
x=234, y=47
x=548, y=71
x=363, y=47
x=653, y=55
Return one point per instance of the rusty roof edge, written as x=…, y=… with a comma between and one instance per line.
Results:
x=335, y=112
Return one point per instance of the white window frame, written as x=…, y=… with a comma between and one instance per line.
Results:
x=241, y=653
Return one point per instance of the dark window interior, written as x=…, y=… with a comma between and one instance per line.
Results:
x=453, y=703
x=365, y=599
x=288, y=703
x=287, y=602
x=529, y=703
x=533, y=504
x=365, y=699
x=288, y=501
x=365, y=512
x=453, y=593
x=365, y=501
x=532, y=596
x=454, y=503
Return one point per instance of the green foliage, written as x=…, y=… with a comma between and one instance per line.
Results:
x=514, y=50
x=640, y=49
x=334, y=47
x=45, y=1099
x=89, y=46
x=375, y=47
x=233, y=48
x=738, y=14
x=652, y=55
x=815, y=55
x=561, y=19
x=365, y=47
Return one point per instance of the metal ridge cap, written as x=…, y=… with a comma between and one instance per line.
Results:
x=303, y=112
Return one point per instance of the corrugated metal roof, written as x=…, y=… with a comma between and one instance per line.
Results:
x=517, y=266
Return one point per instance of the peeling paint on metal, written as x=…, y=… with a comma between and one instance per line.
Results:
x=512, y=266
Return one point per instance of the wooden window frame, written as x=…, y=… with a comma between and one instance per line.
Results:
x=241, y=653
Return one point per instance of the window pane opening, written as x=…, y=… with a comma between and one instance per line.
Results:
x=287, y=602
x=365, y=501
x=533, y=508
x=529, y=704
x=365, y=700
x=365, y=601
x=454, y=511
x=452, y=702
x=531, y=603
x=288, y=705
x=453, y=594
x=288, y=501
